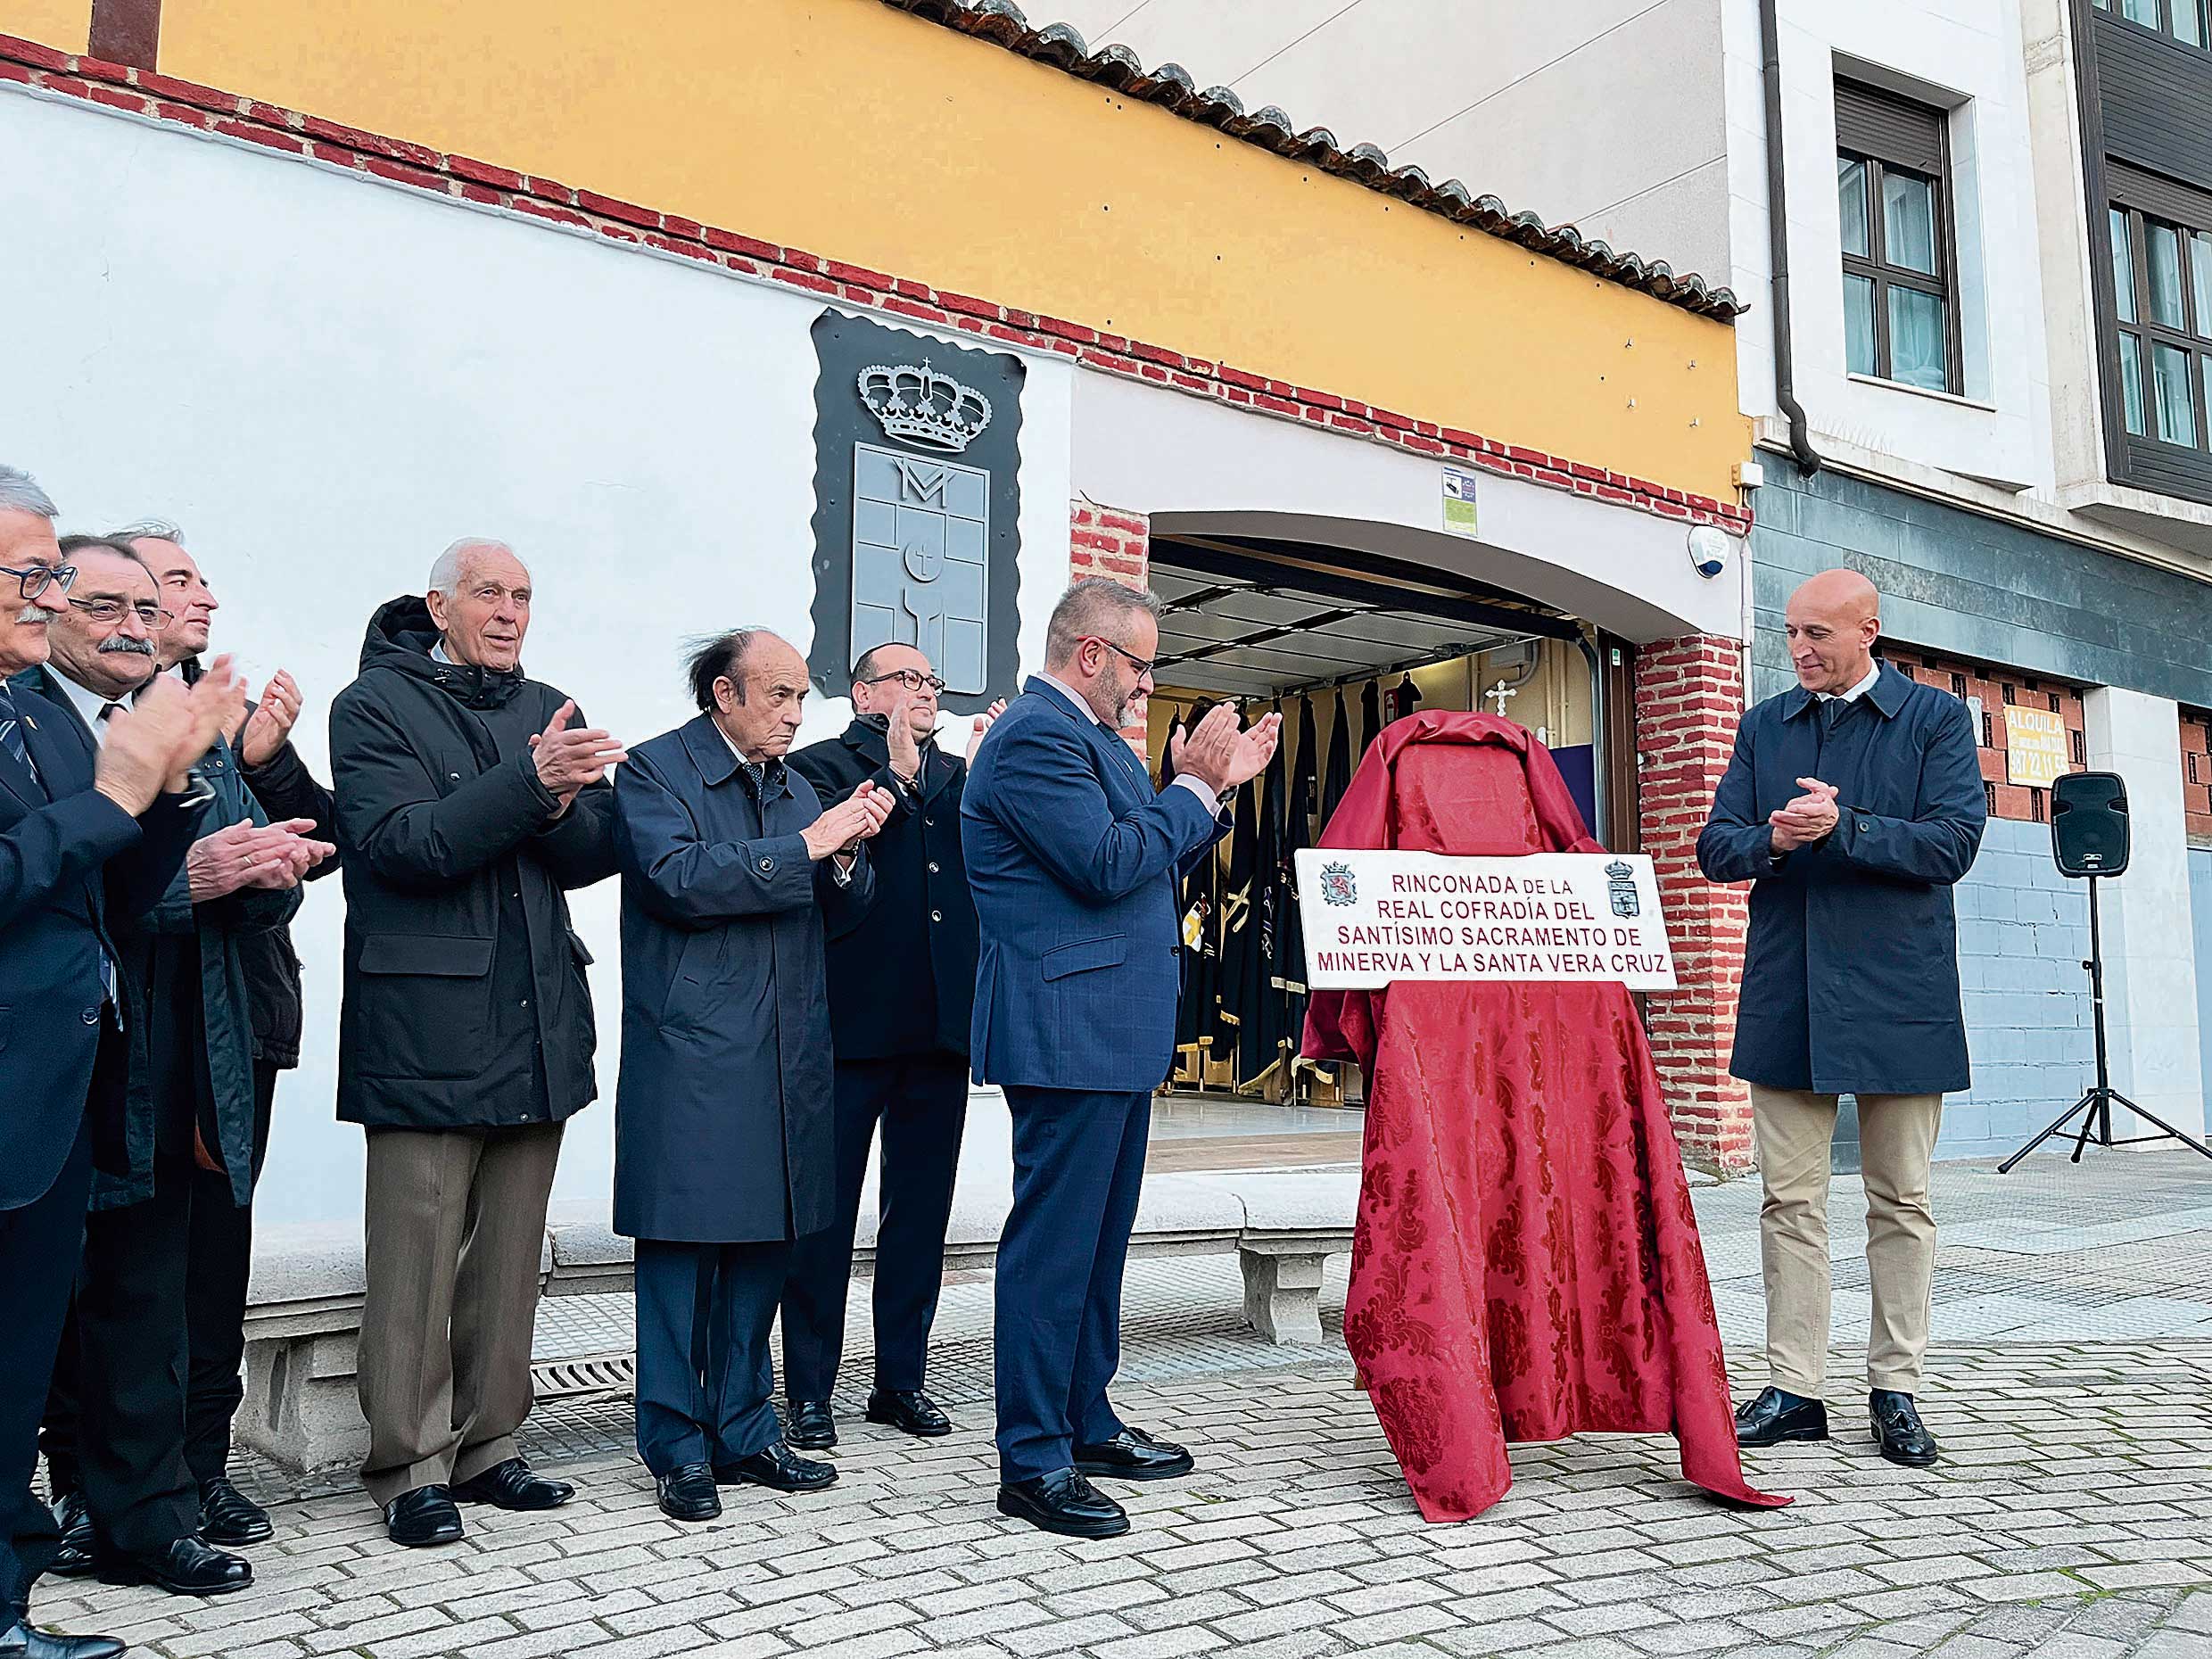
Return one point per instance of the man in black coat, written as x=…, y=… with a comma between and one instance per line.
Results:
x=470, y=799
x=901, y=985
x=69, y=814
x=732, y=873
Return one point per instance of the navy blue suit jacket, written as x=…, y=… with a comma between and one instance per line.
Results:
x=1073, y=858
x=55, y=844
x=1851, y=977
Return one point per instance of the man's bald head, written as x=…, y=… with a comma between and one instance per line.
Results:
x=1833, y=620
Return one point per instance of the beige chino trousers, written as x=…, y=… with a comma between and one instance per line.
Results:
x=1793, y=1129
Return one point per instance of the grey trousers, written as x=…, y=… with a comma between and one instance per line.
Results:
x=456, y=1226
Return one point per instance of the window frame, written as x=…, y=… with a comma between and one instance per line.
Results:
x=2192, y=335
x=2164, y=27
x=1874, y=265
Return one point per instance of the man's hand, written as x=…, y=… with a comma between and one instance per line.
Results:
x=852, y=820
x=269, y=727
x=1220, y=756
x=568, y=760
x=151, y=746
x=899, y=735
x=247, y=855
x=982, y=724
x=1809, y=818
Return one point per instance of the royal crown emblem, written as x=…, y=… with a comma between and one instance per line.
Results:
x=924, y=407
x=1338, y=885
x=1620, y=886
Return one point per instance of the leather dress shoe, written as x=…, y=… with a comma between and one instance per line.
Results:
x=809, y=1426
x=1065, y=1503
x=229, y=1518
x=184, y=1567
x=688, y=1493
x=1903, y=1437
x=775, y=1466
x=20, y=1640
x=1777, y=1415
x=73, y=1558
x=908, y=1410
x=422, y=1517
x=1133, y=1455
x=514, y=1485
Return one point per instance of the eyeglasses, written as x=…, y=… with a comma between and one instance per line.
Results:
x=912, y=678
x=1141, y=666
x=112, y=611
x=34, y=580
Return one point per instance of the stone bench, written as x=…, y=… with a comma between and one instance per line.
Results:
x=304, y=1316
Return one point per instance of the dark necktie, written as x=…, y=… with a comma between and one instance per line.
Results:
x=11, y=733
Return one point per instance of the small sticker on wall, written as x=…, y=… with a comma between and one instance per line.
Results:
x=1459, y=501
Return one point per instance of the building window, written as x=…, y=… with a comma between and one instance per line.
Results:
x=1900, y=293
x=2185, y=21
x=2162, y=306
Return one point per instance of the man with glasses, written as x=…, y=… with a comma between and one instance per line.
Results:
x=1074, y=858
x=69, y=816
x=179, y=1106
x=902, y=984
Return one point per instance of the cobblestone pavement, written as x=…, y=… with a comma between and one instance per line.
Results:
x=2070, y=1519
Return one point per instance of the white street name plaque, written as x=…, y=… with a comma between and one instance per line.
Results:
x=1373, y=917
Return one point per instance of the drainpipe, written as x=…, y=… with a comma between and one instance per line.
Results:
x=1778, y=243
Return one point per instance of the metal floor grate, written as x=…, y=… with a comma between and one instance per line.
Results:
x=585, y=1376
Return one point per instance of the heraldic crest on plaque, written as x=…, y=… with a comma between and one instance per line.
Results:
x=916, y=507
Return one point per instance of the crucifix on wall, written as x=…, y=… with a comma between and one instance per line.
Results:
x=1500, y=692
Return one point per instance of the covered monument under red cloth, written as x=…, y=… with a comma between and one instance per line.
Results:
x=1526, y=1264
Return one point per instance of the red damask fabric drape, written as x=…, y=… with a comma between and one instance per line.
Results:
x=1526, y=1264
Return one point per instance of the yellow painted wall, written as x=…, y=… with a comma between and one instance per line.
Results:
x=861, y=133
x=65, y=25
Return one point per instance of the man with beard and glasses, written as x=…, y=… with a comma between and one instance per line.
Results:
x=74, y=819
x=471, y=799
x=180, y=1105
x=220, y=1252
x=1074, y=860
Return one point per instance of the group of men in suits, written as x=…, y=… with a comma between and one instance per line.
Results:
x=820, y=947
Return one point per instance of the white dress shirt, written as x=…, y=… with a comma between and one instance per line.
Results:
x=90, y=705
x=1856, y=692
x=1211, y=799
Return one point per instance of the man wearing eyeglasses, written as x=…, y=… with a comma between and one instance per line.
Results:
x=72, y=820
x=181, y=1104
x=1074, y=858
x=902, y=984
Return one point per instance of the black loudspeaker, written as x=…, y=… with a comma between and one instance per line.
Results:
x=2089, y=824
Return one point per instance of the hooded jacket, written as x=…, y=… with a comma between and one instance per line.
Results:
x=465, y=1005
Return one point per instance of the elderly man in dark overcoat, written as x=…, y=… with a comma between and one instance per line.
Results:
x=1853, y=804
x=723, y=1131
x=470, y=800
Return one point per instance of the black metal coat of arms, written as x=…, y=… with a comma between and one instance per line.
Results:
x=916, y=507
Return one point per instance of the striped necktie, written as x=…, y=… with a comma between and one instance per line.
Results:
x=11, y=733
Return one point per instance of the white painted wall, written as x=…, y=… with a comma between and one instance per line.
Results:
x=326, y=380
x=1607, y=114
x=1965, y=55
x=2150, y=959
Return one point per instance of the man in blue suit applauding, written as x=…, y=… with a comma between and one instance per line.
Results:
x=1073, y=858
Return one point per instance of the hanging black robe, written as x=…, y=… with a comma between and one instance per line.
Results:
x=1338, y=776
x=1236, y=925
x=1265, y=1030
x=1287, y=972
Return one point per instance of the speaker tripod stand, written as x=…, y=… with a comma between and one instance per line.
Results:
x=2096, y=1103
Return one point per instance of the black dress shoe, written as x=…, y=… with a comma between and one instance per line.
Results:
x=1778, y=1416
x=422, y=1517
x=514, y=1485
x=20, y=1640
x=73, y=1558
x=229, y=1517
x=908, y=1410
x=1904, y=1438
x=688, y=1493
x=1064, y=1503
x=809, y=1426
x=1133, y=1455
x=186, y=1567
x=773, y=1465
